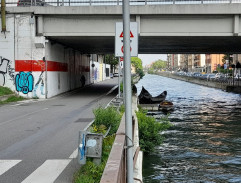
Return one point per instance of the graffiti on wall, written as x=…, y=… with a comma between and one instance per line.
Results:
x=3, y=70
x=24, y=82
x=11, y=71
x=40, y=80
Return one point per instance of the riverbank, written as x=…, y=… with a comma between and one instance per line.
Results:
x=212, y=84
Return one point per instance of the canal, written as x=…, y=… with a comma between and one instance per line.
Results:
x=204, y=143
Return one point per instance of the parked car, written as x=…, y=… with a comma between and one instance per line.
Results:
x=211, y=77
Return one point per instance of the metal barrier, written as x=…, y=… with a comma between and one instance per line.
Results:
x=26, y=3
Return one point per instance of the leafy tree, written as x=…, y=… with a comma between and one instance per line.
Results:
x=137, y=63
x=227, y=57
x=159, y=64
x=112, y=60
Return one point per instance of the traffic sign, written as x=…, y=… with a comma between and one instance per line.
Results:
x=119, y=48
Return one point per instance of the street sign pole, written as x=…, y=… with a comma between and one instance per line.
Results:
x=127, y=89
x=119, y=79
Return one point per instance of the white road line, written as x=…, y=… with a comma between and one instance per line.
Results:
x=22, y=116
x=5, y=165
x=74, y=154
x=48, y=172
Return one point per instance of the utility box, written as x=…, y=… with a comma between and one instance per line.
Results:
x=94, y=145
x=90, y=145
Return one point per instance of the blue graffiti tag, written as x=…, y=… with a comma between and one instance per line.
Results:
x=82, y=148
x=24, y=82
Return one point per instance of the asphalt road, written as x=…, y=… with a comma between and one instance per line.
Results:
x=38, y=139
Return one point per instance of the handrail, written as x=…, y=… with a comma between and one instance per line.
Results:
x=27, y=3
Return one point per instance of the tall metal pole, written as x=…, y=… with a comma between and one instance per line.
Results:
x=127, y=88
x=119, y=79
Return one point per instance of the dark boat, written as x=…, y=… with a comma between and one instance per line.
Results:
x=146, y=98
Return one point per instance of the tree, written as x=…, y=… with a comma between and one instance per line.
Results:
x=112, y=60
x=137, y=63
x=159, y=64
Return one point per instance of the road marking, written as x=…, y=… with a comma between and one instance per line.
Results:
x=74, y=154
x=48, y=172
x=22, y=116
x=5, y=165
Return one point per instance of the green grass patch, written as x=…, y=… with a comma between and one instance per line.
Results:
x=150, y=131
x=5, y=91
x=12, y=99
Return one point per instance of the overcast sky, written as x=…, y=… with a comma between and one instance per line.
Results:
x=149, y=58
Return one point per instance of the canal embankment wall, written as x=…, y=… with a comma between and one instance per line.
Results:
x=219, y=85
x=115, y=170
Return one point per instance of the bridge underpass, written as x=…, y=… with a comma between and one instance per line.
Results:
x=66, y=37
x=195, y=28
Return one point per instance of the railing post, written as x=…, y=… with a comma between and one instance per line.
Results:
x=90, y=2
x=145, y=2
x=174, y=1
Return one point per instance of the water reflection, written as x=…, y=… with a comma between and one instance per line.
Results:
x=204, y=144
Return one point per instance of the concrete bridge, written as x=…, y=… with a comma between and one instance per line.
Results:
x=52, y=46
x=178, y=28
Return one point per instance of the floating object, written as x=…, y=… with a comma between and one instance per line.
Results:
x=165, y=105
x=146, y=98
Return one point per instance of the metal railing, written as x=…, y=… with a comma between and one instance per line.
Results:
x=26, y=3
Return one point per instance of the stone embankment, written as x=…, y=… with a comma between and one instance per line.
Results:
x=220, y=85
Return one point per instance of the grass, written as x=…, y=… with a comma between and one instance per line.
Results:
x=5, y=91
x=12, y=99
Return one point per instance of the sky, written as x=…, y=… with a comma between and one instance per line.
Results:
x=149, y=58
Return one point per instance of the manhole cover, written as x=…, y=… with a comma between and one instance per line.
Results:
x=84, y=120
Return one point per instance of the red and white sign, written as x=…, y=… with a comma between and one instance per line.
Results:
x=119, y=49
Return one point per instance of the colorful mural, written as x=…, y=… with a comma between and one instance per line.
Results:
x=24, y=82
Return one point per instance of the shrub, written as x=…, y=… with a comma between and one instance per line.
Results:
x=108, y=117
x=149, y=131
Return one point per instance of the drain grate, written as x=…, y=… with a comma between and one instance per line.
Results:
x=84, y=120
x=58, y=105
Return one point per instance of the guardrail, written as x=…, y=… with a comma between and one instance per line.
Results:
x=26, y=3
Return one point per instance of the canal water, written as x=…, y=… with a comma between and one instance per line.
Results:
x=204, y=143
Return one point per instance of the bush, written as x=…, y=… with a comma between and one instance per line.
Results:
x=149, y=131
x=108, y=117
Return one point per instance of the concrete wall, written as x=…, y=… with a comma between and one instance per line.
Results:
x=23, y=68
x=7, y=55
